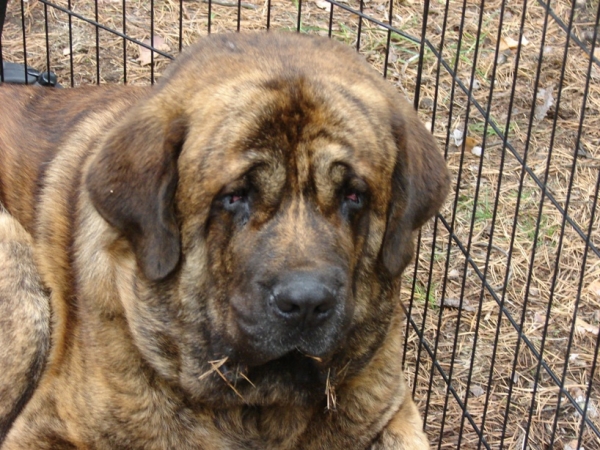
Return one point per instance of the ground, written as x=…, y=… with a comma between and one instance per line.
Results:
x=532, y=232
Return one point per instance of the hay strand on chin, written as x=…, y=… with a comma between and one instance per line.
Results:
x=330, y=393
x=224, y=378
x=215, y=368
x=241, y=374
x=343, y=372
x=315, y=358
x=214, y=365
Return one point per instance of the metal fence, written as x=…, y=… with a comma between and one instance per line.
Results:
x=503, y=301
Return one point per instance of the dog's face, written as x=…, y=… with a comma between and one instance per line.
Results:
x=268, y=190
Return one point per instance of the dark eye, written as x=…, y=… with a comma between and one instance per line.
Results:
x=353, y=201
x=238, y=205
x=232, y=202
x=353, y=197
x=234, y=198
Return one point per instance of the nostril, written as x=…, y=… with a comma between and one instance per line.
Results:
x=321, y=309
x=303, y=299
x=286, y=306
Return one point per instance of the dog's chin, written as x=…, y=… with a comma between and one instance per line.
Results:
x=291, y=379
x=294, y=368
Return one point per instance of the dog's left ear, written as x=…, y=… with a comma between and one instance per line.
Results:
x=132, y=183
x=419, y=186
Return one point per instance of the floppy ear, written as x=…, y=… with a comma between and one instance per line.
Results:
x=132, y=183
x=419, y=186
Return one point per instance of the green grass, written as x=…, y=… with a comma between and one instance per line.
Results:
x=421, y=297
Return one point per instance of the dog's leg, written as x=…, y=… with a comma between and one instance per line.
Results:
x=24, y=321
x=404, y=431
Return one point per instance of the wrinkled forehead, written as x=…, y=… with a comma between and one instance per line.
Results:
x=297, y=122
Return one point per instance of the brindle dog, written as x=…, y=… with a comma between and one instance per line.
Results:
x=223, y=252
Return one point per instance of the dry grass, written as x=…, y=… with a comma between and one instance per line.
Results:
x=552, y=276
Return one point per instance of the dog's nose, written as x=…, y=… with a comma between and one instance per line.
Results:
x=304, y=299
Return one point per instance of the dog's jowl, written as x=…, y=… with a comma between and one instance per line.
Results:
x=222, y=253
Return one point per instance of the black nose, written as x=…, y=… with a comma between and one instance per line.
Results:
x=304, y=299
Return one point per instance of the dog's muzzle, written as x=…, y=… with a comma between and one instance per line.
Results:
x=305, y=310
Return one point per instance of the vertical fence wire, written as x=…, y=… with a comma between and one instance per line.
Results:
x=459, y=177
x=124, y=30
x=493, y=224
x=24, y=34
x=97, y=32
x=47, y=39
x=589, y=233
x=539, y=218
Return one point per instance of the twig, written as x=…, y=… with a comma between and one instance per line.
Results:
x=330, y=393
x=214, y=367
x=241, y=374
x=232, y=4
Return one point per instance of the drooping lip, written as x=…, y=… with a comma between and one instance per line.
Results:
x=258, y=342
x=255, y=347
x=294, y=368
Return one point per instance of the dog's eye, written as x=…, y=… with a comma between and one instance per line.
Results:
x=238, y=204
x=234, y=198
x=353, y=197
x=353, y=201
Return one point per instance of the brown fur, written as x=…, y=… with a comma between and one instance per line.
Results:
x=172, y=225
x=24, y=321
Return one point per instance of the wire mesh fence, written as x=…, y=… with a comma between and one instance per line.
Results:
x=503, y=300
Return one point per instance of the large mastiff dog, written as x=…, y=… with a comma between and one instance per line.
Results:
x=222, y=252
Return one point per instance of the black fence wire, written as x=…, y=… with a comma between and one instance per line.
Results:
x=503, y=301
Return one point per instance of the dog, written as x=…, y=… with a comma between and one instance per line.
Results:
x=24, y=320
x=221, y=252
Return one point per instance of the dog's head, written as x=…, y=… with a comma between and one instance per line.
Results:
x=268, y=190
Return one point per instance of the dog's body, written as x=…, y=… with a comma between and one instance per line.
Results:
x=223, y=251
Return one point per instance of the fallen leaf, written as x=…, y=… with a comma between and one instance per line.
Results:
x=539, y=318
x=323, y=4
x=146, y=54
x=546, y=96
x=594, y=288
x=470, y=142
x=453, y=274
x=477, y=150
x=503, y=57
x=455, y=303
x=582, y=327
x=510, y=43
x=572, y=445
x=477, y=390
x=458, y=137
x=426, y=103
x=582, y=152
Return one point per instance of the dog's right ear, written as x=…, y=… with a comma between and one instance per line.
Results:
x=132, y=183
x=420, y=183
